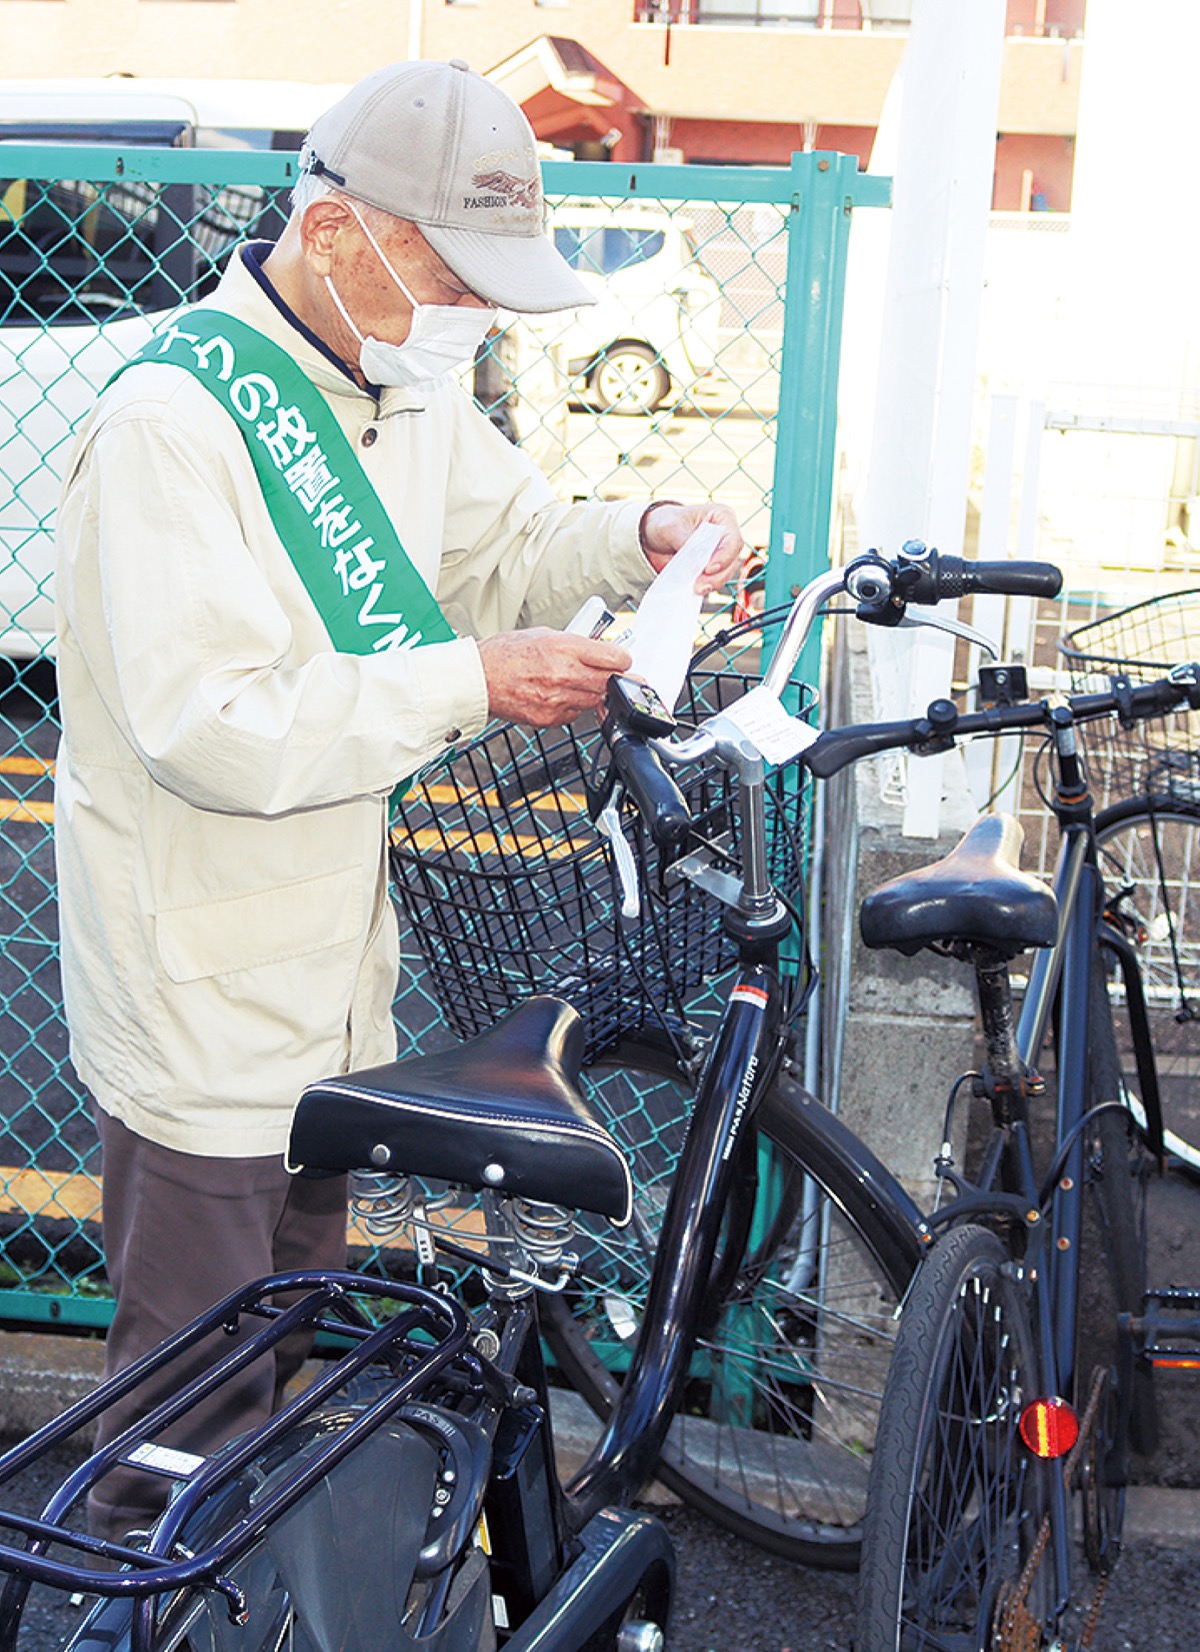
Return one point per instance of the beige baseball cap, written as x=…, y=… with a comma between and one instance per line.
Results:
x=440, y=146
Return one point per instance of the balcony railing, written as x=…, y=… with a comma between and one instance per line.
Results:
x=777, y=14
x=1039, y=19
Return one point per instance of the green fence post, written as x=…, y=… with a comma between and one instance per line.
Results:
x=825, y=189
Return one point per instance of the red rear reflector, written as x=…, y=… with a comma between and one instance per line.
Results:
x=1049, y=1427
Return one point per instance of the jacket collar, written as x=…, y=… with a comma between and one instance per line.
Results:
x=245, y=291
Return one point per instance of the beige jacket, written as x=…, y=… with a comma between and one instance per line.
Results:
x=223, y=773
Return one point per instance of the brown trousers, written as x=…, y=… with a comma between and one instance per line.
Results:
x=182, y=1230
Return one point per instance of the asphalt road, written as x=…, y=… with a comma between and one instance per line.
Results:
x=734, y=1598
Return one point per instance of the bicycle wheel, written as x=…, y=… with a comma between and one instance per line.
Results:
x=956, y=1500
x=774, y=1437
x=1150, y=860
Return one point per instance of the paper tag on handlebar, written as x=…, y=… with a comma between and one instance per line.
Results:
x=759, y=718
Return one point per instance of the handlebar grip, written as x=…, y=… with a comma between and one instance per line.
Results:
x=837, y=748
x=926, y=576
x=1012, y=579
x=659, y=800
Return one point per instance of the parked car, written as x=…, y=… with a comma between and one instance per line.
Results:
x=653, y=331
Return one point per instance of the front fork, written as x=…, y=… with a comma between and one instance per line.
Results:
x=737, y=1073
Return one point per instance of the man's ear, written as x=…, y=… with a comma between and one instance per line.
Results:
x=320, y=224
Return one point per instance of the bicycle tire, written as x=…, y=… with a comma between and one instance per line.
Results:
x=956, y=1503
x=802, y=1341
x=1149, y=846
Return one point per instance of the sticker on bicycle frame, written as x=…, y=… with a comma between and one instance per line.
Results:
x=180, y=1465
x=749, y=995
x=774, y=734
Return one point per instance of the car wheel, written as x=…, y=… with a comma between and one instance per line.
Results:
x=629, y=378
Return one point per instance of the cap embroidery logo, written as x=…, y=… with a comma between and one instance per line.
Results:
x=502, y=189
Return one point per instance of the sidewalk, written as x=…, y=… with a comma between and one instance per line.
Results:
x=41, y=1374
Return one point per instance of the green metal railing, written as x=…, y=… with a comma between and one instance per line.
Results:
x=717, y=377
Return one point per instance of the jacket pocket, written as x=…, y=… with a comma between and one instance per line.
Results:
x=266, y=926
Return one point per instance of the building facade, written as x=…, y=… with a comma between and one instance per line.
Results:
x=713, y=81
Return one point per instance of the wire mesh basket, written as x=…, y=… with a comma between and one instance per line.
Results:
x=510, y=889
x=1161, y=755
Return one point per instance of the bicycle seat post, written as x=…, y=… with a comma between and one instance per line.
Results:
x=1006, y=1079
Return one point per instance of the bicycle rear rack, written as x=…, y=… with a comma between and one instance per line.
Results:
x=426, y=1337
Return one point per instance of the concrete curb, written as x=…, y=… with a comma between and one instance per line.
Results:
x=41, y=1375
x=1167, y=1515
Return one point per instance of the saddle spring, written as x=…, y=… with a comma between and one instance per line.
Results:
x=527, y=1242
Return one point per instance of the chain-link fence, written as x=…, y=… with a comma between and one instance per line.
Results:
x=707, y=369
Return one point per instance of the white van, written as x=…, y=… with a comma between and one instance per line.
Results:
x=654, y=327
x=87, y=275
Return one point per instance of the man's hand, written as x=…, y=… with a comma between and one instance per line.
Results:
x=666, y=528
x=545, y=678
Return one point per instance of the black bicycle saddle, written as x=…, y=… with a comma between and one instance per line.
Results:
x=501, y=1111
x=976, y=894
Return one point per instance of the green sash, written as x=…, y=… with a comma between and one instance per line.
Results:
x=321, y=502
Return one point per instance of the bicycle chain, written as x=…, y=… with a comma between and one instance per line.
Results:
x=1016, y=1629
x=1093, y=1616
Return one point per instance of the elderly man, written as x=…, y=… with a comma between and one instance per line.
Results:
x=296, y=563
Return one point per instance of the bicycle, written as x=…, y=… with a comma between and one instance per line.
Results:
x=1148, y=835
x=1022, y=1362
x=773, y=1438
x=408, y=1494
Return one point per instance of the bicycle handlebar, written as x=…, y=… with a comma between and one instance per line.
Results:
x=882, y=590
x=943, y=723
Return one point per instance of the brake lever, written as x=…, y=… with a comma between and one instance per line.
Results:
x=597, y=798
x=956, y=628
x=608, y=824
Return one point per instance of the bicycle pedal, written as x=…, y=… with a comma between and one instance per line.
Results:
x=1175, y=1297
x=1170, y=1320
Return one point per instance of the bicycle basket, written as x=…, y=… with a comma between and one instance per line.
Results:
x=1159, y=755
x=510, y=889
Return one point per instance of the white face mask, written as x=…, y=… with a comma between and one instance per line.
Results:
x=440, y=338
